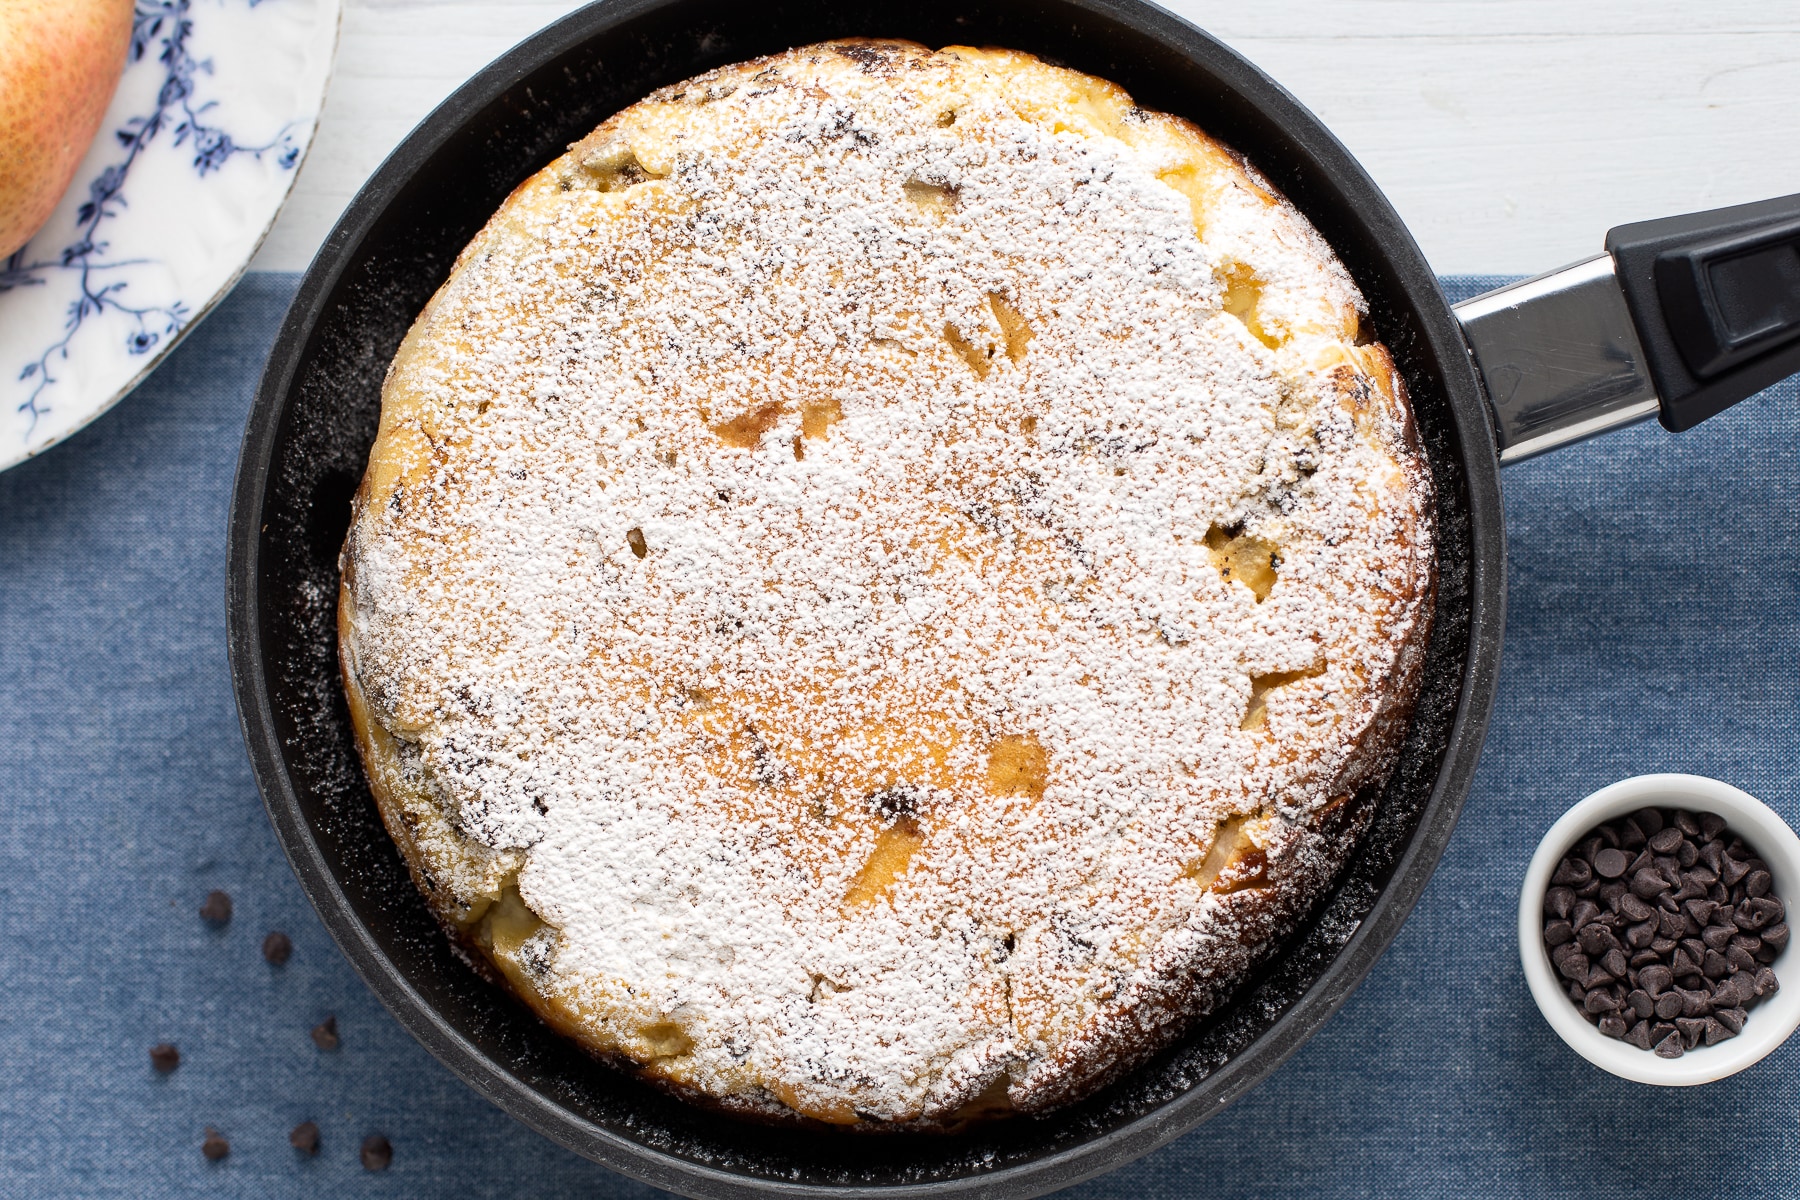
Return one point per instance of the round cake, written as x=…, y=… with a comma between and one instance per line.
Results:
x=888, y=580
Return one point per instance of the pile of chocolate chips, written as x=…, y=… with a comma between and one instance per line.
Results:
x=1663, y=925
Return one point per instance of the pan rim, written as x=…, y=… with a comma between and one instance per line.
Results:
x=489, y=1077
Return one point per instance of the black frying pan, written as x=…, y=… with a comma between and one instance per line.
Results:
x=1696, y=315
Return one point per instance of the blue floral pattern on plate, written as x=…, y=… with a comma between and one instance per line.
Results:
x=198, y=150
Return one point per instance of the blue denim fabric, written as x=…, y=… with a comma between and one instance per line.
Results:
x=1654, y=625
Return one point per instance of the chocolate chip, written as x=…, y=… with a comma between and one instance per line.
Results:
x=1633, y=909
x=1631, y=834
x=1593, y=939
x=1639, y=1035
x=1670, y=1047
x=377, y=1153
x=165, y=1057
x=1775, y=935
x=1588, y=848
x=1701, y=910
x=1754, y=914
x=215, y=1146
x=1731, y=1018
x=1585, y=912
x=1610, y=863
x=1767, y=954
x=1766, y=983
x=1557, y=933
x=1758, y=883
x=1732, y=871
x=1668, y=1005
x=1717, y=894
x=1599, y=1000
x=1588, y=890
x=1665, y=841
x=1572, y=872
x=1716, y=1032
x=1613, y=963
x=216, y=911
x=1715, y=965
x=1611, y=892
x=1598, y=977
x=277, y=949
x=1694, y=1002
x=1684, y=821
x=1646, y=884
x=1711, y=826
x=1649, y=820
x=1641, y=1003
x=1656, y=980
x=1713, y=855
x=304, y=1137
x=1560, y=901
x=325, y=1034
x=1664, y=946
x=1692, y=1030
x=1687, y=854
x=1734, y=991
x=1612, y=1026
x=1638, y=937
x=1738, y=958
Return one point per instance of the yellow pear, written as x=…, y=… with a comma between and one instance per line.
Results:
x=60, y=62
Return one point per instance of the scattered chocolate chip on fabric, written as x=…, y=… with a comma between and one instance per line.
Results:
x=377, y=1153
x=215, y=1147
x=1664, y=924
x=325, y=1034
x=165, y=1057
x=277, y=948
x=217, y=909
x=304, y=1137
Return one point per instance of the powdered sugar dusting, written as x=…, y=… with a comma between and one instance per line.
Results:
x=799, y=545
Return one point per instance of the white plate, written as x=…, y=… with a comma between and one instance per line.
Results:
x=199, y=149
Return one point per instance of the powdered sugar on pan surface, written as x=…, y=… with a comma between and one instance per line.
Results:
x=807, y=544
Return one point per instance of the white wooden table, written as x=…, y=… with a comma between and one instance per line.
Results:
x=1511, y=134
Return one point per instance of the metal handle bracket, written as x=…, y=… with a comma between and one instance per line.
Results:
x=1560, y=359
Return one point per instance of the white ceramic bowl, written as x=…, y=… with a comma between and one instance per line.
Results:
x=1772, y=1019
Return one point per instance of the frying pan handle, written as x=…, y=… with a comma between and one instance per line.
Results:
x=1716, y=300
x=1681, y=319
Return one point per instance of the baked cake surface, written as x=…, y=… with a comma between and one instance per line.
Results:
x=885, y=583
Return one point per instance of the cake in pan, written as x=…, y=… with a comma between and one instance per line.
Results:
x=887, y=581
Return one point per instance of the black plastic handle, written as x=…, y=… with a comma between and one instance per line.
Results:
x=1715, y=297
